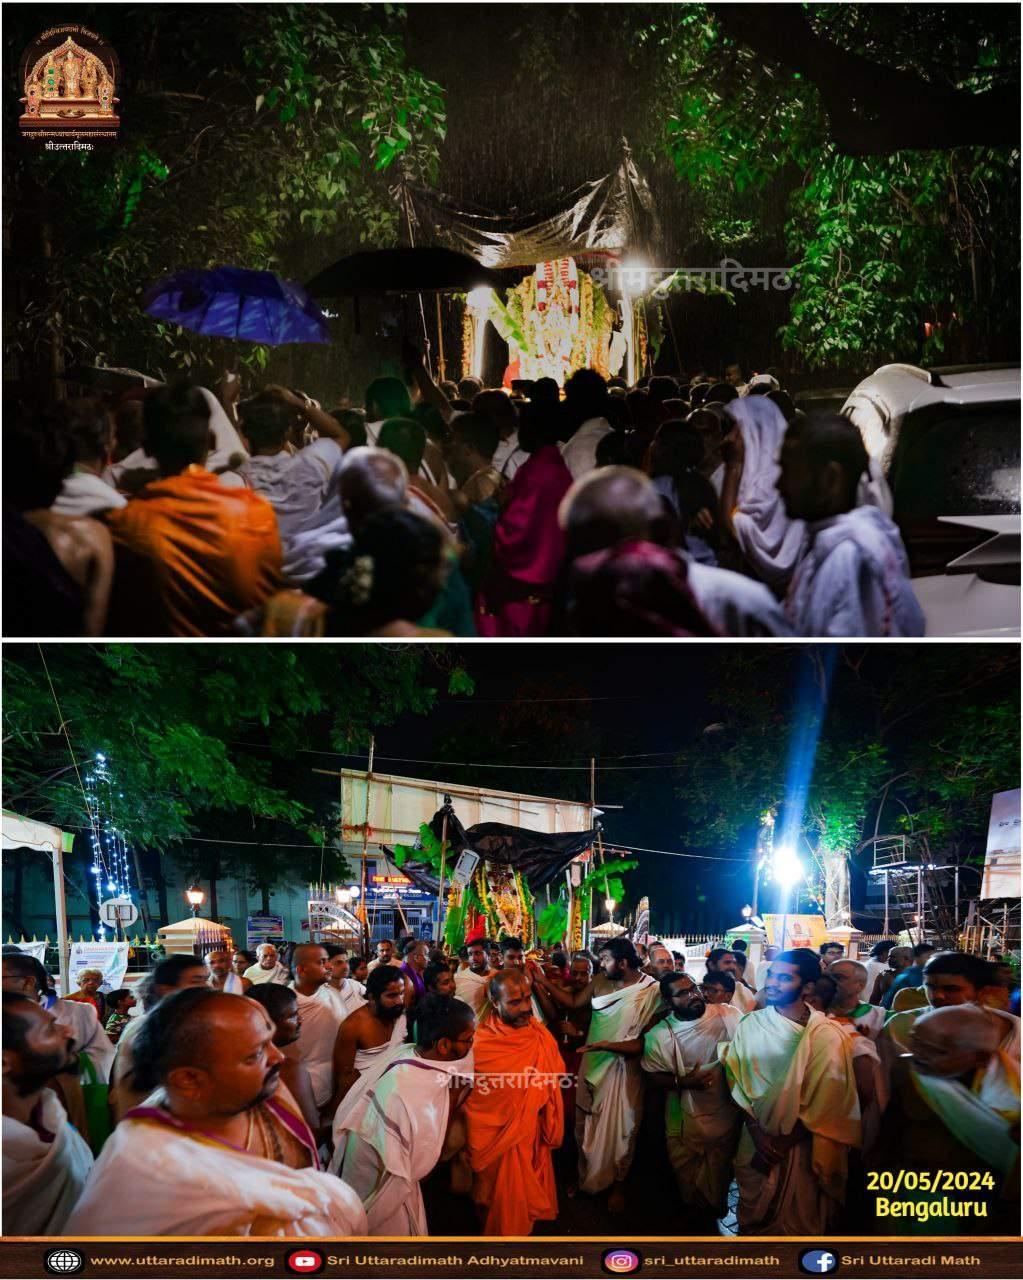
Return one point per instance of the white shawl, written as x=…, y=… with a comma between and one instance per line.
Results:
x=42, y=1180
x=770, y=541
x=152, y=1180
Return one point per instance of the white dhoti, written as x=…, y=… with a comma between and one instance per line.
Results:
x=701, y=1126
x=782, y=1074
x=42, y=1180
x=609, y=1094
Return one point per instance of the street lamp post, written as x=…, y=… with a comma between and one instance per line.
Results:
x=196, y=897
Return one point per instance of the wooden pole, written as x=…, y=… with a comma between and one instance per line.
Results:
x=440, y=887
x=442, y=369
x=407, y=205
x=671, y=330
x=365, y=844
x=57, y=859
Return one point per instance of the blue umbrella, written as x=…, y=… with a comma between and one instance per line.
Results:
x=230, y=302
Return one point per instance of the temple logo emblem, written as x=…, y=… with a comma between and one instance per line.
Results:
x=70, y=79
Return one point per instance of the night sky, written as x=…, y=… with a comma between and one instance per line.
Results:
x=642, y=699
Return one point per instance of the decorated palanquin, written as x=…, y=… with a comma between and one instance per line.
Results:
x=69, y=86
x=556, y=321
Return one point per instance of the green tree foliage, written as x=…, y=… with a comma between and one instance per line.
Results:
x=205, y=742
x=880, y=243
x=245, y=129
x=909, y=741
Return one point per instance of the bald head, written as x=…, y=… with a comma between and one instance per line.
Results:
x=371, y=480
x=510, y=995
x=954, y=1041
x=609, y=506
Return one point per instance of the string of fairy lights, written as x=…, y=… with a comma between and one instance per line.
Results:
x=111, y=862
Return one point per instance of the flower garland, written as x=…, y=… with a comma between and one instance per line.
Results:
x=468, y=342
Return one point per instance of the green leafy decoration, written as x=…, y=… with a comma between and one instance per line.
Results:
x=552, y=921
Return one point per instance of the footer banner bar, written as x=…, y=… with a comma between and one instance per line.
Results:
x=442, y=1258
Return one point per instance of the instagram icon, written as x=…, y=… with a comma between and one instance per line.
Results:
x=620, y=1262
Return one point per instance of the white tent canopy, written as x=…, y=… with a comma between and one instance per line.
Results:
x=26, y=833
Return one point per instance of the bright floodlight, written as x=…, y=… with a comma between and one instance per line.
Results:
x=480, y=298
x=787, y=867
x=610, y=904
x=747, y=911
x=354, y=890
x=632, y=275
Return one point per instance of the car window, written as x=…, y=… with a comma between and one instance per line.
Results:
x=958, y=463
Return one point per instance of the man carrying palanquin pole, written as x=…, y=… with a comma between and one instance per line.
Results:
x=514, y=1117
x=609, y=1091
x=790, y=1070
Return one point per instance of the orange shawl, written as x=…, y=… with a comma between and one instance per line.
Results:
x=191, y=556
x=513, y=1125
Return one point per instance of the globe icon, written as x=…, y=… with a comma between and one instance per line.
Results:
x=63, y=1262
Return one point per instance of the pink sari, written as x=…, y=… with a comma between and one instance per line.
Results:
x=516, y=598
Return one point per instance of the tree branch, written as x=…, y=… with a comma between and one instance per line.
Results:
x=873, y=109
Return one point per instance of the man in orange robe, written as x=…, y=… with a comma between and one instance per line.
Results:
x=191, y=553
x=514, y=1116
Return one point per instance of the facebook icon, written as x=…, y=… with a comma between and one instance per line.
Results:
x=817, y=1262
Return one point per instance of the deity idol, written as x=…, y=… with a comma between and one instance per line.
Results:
x=72, y=71
x=89, y=78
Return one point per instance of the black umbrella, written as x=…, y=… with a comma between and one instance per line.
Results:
x=395, y=271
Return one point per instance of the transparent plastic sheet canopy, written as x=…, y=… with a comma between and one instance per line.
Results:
x=610, y=215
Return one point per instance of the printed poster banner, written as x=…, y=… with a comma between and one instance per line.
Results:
x=797, y=931
x=111, y=958
x=263, y=928
x=1002, y=864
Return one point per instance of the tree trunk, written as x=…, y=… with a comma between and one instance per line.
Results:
x=264, y=904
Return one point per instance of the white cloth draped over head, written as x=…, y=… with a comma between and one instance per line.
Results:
x=227, y=451
x=980, y=1118
x=83, y=1026
x=42, y=1180
x=770, y=541
x=781, y=1073
x=153, y=1180
x=392, y=1136
x=610, y=1086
